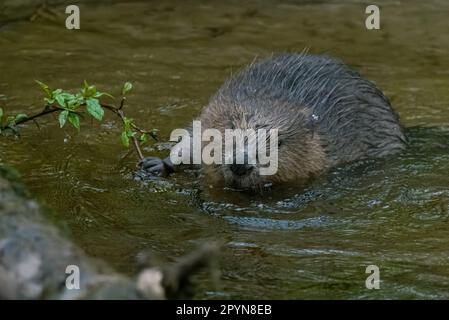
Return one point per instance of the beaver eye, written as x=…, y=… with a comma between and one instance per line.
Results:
x=279, y=143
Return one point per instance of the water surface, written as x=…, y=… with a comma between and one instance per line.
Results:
x=310, y=243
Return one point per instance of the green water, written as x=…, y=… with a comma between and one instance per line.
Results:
x=312, y=243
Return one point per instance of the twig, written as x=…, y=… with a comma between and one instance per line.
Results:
x=177, y=278
x=48, y=109
x=137, y=147
x=119, y=112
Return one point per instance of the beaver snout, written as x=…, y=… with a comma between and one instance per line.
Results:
x=241, y=169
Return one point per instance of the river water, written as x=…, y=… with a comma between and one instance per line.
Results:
x=313, y=242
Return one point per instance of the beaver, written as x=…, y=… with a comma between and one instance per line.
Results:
x=326, y=114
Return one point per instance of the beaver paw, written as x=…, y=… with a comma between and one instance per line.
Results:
x=156, y=166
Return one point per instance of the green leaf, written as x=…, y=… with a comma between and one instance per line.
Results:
x=44, y=87
x=73, y=104
x=61, y=100
x=144, y=137
x=74, y=119
x=125, y=139
x=94, y=108
x=88, y=91
x=49, y=100
x=20, y=116
x=79, y=99
x=10, y=121
x=91, y=91
x=1, y=114
x=126, y=88
x=63, y=118
x=127, y=123
x=68, y=95
x=56, y=92
x=99, y=94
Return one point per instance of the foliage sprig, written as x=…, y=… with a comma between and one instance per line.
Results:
x=72, y=106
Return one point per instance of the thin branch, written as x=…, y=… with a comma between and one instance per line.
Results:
x=119, y=112
x=122, y=103
x=137, y=147
x=48, y=109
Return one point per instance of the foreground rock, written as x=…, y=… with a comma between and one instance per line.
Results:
x=34, y=256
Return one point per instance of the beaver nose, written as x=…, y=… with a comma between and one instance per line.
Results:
x=241, y=169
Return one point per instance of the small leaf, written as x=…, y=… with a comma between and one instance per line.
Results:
x=125, y=139
x=56, y=92
x=126, y=88
x=73, y=104
x=91, y=91
x=68, y=95
x=1, y=114
x=144, y=137
x=127, y=123
x=79, y=99
x=63, y=118
x=19, y=117
x=61, y=101
x=88, y=91
x=44, y=87
x=94, y=108
x=74, y=119
x=99, y=94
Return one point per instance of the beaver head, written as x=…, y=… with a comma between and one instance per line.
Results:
x=300, y=151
